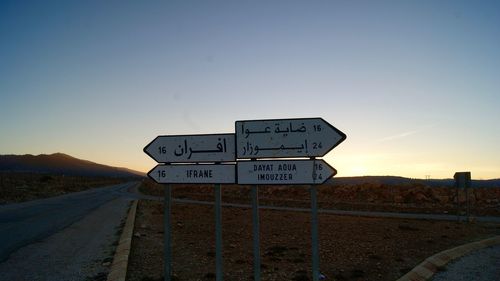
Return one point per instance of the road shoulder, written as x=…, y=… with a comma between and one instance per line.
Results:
x=118, y=271
x=427, y=269
x=78, y=252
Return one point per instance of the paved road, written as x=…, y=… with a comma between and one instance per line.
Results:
x=44, y=232
x=481, y=265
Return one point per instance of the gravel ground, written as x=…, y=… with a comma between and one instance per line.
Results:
x=481, y=265
x=351, y=248
x=81, y=251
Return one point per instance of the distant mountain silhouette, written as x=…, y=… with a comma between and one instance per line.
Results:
x=401, y=181
x=59, y=163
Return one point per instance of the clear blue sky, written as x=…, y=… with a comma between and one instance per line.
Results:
x=415, y=85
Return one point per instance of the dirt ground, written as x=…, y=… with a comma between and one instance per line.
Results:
x=365, y=197
x=351, y=248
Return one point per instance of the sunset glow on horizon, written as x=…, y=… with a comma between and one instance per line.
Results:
x=414, y=85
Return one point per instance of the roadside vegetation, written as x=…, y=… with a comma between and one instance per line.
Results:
x=410, y=197
x=20, y=187
x=149, y=187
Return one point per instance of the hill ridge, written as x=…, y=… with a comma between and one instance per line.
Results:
x=61, y=163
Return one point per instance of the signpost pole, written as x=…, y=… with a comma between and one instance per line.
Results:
x=314, y=228
x=218, y=234
x=167, y=249
x=314, y=233
x=467, y=202
x=255, y=229
x=468, y=182
x=463, y=181
x=458, y=202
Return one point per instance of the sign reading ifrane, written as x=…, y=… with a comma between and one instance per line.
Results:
x=191, y=173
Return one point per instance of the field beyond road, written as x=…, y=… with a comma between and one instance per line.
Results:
x=18, y=187
x=351, y=248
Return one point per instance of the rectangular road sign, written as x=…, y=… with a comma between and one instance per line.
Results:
x=282, y=138
x=284, y=172
x=192, y=148
x=194, y=173
x=462, y=179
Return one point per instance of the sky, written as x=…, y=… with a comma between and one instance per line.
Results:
x=415, y=85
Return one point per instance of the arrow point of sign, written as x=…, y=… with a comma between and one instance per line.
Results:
x=276, y=138
x=340, y=133
x=331, y=171
x=150, y=173
x=146, y=149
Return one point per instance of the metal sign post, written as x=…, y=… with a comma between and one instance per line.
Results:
x=463, y=181
x=314, y=234
x=218, y=234
x=167, y=236
x=458, y=202
x=255, y=232
x=314, y=223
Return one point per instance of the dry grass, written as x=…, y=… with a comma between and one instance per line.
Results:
x=363, y=197
x=351, y=248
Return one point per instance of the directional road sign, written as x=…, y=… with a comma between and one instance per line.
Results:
x=282, y=138
x=192, y=148
x=284, y=172
x=194, y=173
x=462, y=179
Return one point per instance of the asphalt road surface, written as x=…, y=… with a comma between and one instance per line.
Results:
x=61, y=238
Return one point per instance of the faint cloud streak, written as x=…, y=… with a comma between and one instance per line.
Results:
x=406, y=134
x=398, y=136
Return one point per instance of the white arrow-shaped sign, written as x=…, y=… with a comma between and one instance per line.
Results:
x=194, y=173
x=284, y=172
x=192, y=148
x=282, y=138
